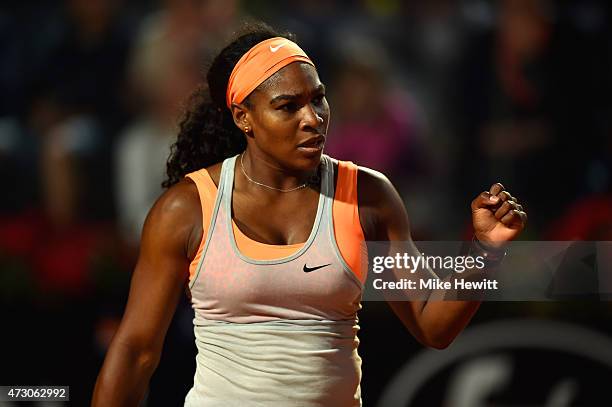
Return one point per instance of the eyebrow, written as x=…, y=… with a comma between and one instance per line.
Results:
x=320, y=88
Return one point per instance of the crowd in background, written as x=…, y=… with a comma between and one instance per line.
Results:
x=445, y=97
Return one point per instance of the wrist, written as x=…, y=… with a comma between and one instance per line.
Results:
x=492, y=255
x=487, y=243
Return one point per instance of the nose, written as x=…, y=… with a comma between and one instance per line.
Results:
x=311, y=119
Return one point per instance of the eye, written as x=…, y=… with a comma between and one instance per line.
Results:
x=318, y=99
x=289, y=107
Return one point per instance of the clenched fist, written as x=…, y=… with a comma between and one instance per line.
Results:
x=497, y=216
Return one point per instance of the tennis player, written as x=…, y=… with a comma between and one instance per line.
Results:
x=269, y=236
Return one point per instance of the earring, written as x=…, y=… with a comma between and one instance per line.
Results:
x=247, y=129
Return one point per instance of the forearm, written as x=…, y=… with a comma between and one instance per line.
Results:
x=447, y=312
x=442, y=321
x=124, y=376
x=434, y=316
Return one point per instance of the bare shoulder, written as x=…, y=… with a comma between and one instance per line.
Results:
x=175, y=217
x=375, y=190
x=380, y=205
x=373, y=185
x=181, y=198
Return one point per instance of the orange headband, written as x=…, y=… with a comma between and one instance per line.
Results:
x=259, y=63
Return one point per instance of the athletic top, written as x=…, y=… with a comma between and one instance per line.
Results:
x=277, y=325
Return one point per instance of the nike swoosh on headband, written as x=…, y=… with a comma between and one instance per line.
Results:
x=309, y=269
x=274, y=49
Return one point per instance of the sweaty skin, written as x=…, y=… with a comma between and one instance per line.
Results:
x=288, y=109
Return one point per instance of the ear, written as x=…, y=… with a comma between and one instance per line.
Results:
x=241, y=115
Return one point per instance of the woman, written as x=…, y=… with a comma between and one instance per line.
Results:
x=269, y=235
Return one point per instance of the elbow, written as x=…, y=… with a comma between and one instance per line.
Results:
x=439, y=344
x=148, y=361
x=132, y=357
x=437, y=341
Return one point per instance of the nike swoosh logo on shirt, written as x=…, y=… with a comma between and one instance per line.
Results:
x=274, y=49
x=309, y=269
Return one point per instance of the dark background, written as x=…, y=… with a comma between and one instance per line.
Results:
x=445, y=97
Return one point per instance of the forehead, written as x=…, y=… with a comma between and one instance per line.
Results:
x=295, y=78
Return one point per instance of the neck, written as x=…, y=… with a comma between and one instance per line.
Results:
x=263, y=169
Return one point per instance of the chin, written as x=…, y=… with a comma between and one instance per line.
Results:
x=308, y=159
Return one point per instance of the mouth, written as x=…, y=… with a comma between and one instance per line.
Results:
x=313, y=144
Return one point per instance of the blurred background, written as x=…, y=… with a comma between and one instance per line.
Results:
x=446, y=97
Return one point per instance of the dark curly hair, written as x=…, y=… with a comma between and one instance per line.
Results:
x=207, y=133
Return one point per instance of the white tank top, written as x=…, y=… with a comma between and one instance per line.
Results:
x=275, y=332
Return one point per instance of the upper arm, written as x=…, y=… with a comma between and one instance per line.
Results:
x=385, y=219
x=162, y=269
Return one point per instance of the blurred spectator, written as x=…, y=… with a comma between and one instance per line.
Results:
x=374, y=124
x=59, y=248
x=75, y=104
x=508, y=109
x=165, y=69
x=84, y=68
x=78, y=98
